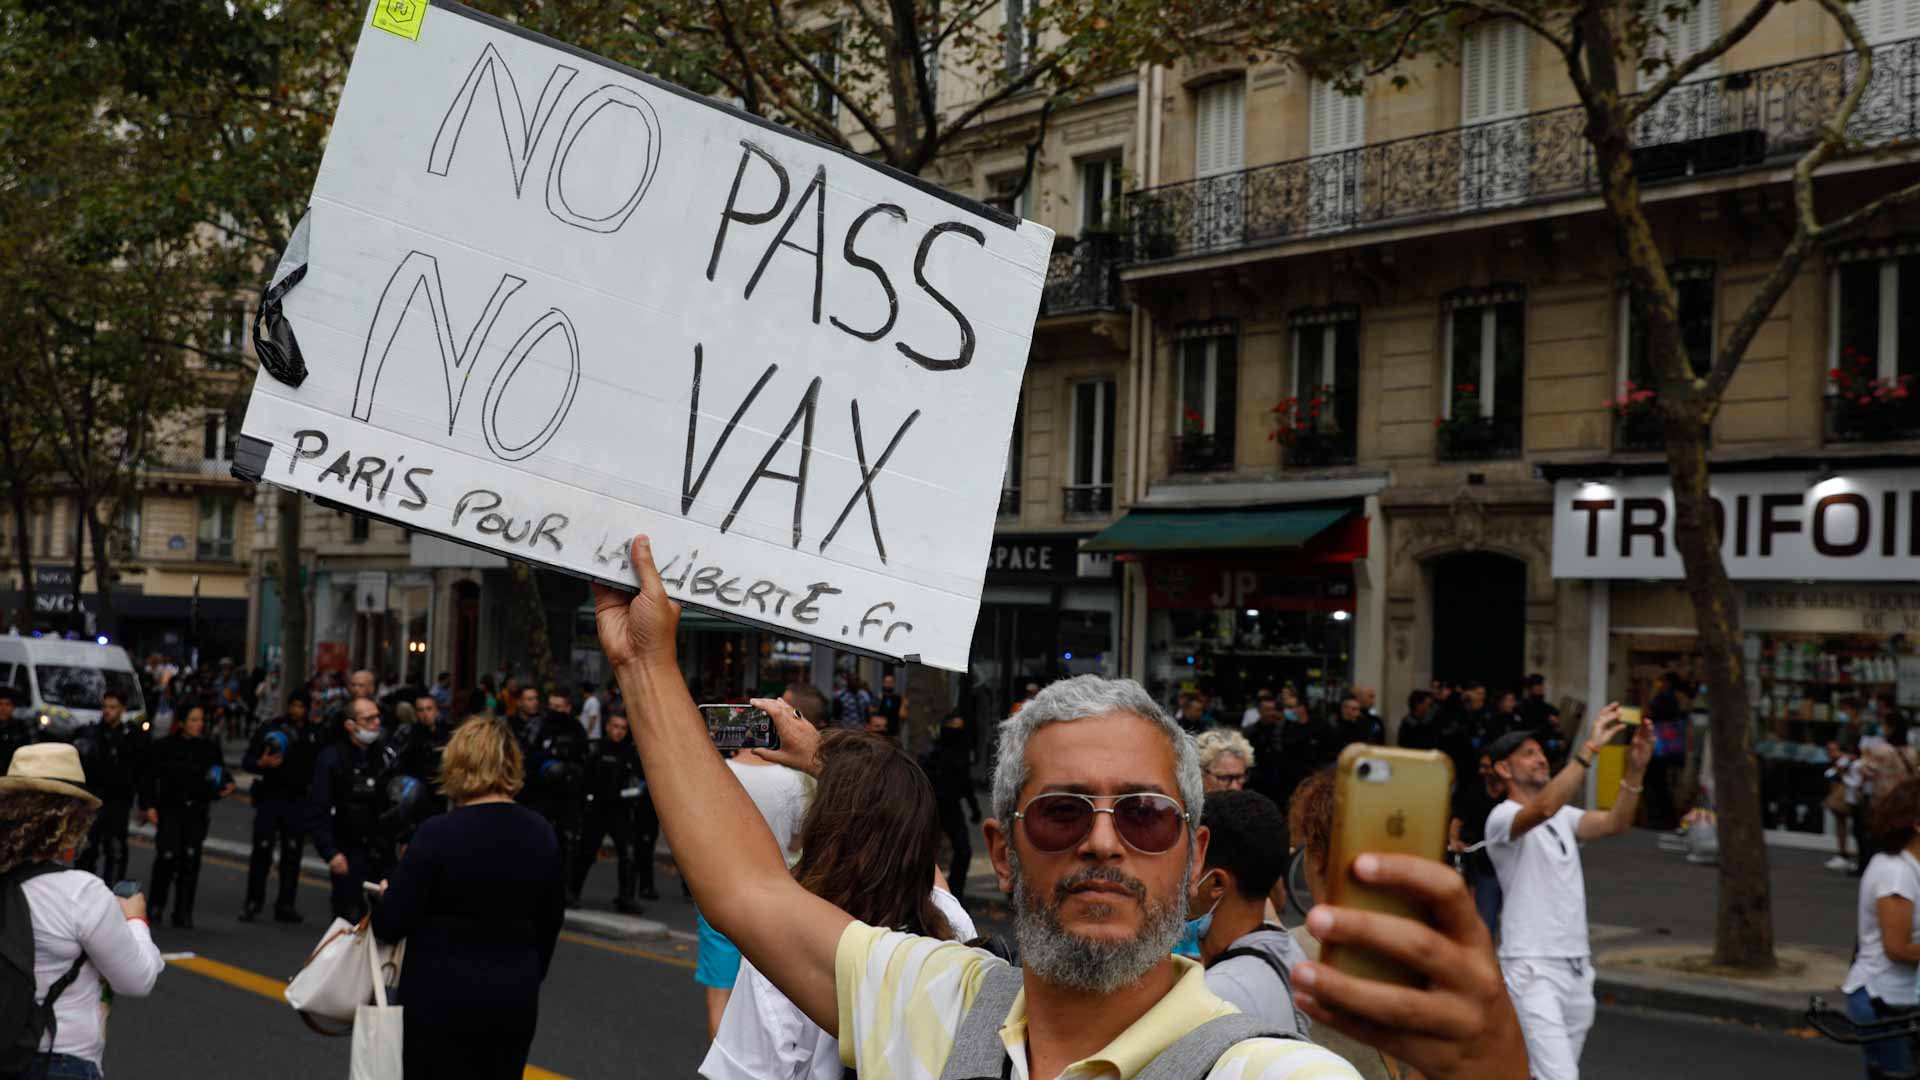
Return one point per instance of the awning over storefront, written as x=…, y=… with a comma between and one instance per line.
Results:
x=1217, y=530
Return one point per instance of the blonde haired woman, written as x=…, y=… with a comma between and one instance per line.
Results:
x=82, y=933
x=479, y=899
x=1225, y=757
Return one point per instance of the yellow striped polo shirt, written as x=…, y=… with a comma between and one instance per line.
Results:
x=902, y=997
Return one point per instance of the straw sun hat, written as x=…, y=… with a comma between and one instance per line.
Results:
x=50, y=767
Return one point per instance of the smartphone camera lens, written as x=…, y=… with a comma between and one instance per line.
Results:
x=1365, y=770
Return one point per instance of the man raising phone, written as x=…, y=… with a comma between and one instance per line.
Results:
x=1534, y=840
x=1096, y=833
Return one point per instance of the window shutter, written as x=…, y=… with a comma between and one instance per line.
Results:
x=1336, y=121
x=1218, y=128
x=1494, y=72
x=1887, y=20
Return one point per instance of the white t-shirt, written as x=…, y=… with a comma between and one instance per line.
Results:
x=1544, y=910
x=764, y=1036
x=1881, y=975
x=73, y=911
x=781, y=795
x=590, y=716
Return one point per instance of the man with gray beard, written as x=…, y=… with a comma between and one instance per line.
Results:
x=1096, y=833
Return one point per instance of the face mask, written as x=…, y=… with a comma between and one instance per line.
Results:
x=365, y=736
x=1195, y=932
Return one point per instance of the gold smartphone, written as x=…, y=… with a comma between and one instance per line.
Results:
x=1631, y=716
x=1388, y=801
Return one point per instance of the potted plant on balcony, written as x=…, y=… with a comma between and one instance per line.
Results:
x=1464, y=432
x=1637, y=423
x=1305, y=429
x=1865, y=407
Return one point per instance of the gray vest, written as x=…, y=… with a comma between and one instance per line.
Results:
x=979, y=1055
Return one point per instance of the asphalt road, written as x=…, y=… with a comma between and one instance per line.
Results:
x=621, y=1010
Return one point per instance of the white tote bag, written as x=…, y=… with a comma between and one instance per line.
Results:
x=378, y=1035
x=338, y=977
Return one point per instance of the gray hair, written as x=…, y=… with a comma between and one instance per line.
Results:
x=1217, y=741
x=1078, y=698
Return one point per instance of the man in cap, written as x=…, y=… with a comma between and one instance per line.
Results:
x=1534, y=839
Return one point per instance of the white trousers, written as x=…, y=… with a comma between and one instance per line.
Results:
x=1554, y=997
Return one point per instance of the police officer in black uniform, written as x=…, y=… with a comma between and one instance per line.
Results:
x=16, y=730
x=557, y=769
x=616, y=789
x=178, y=790
x=345, y=802
x=422, y=743
x=112, y=753
x=280, y=756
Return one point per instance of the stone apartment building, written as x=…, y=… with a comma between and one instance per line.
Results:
x=1419, y=286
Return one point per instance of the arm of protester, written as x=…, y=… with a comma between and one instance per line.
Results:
x=1615, y=821
x=1461, y=1025
x=1564, y=786
x=728, y=858
x=404, y=902
x=1896, y=927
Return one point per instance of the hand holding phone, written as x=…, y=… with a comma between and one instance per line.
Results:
x=1386, y=801
x=740, y=727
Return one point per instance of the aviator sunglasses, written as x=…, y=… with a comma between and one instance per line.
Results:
x=1148, y=822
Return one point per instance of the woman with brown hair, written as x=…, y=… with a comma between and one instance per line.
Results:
x=868, y=845
x=1886, y=957
x=82, y=933
x=478, y=897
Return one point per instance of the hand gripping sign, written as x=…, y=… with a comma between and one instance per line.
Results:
x=542, y=302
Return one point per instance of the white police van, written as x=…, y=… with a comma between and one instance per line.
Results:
x=58, y=684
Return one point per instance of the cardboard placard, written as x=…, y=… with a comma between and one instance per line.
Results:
x=550, y=303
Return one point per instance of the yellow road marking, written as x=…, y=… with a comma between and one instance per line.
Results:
x=275, y=989
x=626, y=950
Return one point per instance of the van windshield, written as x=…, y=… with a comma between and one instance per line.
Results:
x=81, y=687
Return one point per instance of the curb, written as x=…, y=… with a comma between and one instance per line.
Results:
x=1666, y=993
x=600, y=924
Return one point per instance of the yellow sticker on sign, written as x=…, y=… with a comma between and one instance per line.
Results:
x=400, y=17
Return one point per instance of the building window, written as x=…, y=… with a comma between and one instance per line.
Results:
x=1486, y=375
x=43, y=527
x=359, y=526
x=1493, y=72
x=217, y=434
x=1010, y=479
x=126, y=533
x=1326, y=387
x=1886, y=20
x=1676, y=32
x=1011, y=192
x=828, y=61
x=1090, y=458
x=216, y=528
x=1219, y=128
x=1335, y=121
x=1637, y=423
x=1873, y=377
x=1020, y=38
x=229, y=328
x=1100, y=192
x=1208, y=369
x=930, y=56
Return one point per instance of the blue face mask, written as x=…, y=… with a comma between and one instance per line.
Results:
x=1196, y=930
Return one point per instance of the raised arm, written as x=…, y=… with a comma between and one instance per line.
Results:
x=1596, y=824
x=1567, y=782
x=724, y=850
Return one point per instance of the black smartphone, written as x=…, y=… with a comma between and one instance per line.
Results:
x=740, y=727
x=127, y=890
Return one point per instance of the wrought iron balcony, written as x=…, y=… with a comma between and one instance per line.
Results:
x=190, y=465
x=1083, y=275
x=1714, y=124
x=1320, y=449
x=1086, y=500
x=1876, y=421
x=1480, y=439
x=1197, y=452
x=1010, y=502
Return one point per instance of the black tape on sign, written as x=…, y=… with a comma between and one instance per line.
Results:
x=273, y=338
x=250, y=456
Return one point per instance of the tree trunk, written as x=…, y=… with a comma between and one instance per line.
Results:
x=531, y=614
x=293, y=598
x=104, y=575
x=1743, y=931
x=23, y=549
x=1743, y=928
x=79, y=562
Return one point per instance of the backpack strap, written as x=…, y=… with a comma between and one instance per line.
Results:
x=1241, y=952
x=978, y=1053
x=1194, y=1055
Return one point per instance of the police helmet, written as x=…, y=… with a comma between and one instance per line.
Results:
x=277, y=743
x=405, y=795
x=216, y=778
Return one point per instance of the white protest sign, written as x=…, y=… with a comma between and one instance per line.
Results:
x=551, y=303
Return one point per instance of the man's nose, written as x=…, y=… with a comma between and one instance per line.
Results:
x=1103, y=841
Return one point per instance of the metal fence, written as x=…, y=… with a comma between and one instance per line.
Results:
x=1704, y=126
